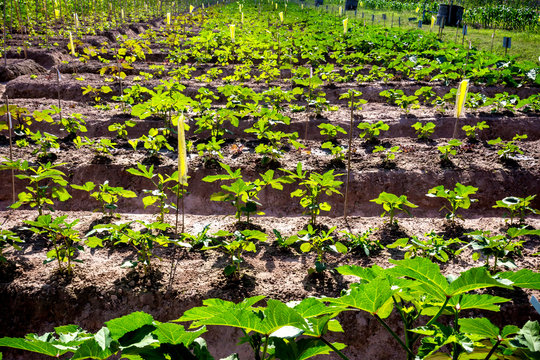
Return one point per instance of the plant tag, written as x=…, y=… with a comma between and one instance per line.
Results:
x=59, y=76
x=302, y=5
x=182, y=154
x=9, y=120
x=340, y=11
x=433, y=18
x=242, y=17
x=76, y=18
x=464, y=30
x=535, y=304
x=231, y=28
x=281, y=16
x=345, y=24
x=461, y=96
x=507, y=42
x=168, y=18
x=191, y=7
x=71, y=44
x=122, y=13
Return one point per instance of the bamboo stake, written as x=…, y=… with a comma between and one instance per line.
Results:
x=5, y=52
x=11, y=150
x=349, y=160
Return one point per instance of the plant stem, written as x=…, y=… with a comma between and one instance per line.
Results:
x=405, y=325
x=331, y=346
x=265, y=349
x=492, y=351
x=433, y=319
x=394, y=335
x=456, y=345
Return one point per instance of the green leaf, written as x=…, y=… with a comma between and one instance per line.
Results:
x=529, y=337
x=367, y=274
x=121, y=326
x=472, y=279
x=91, y=349
x=523, y=278
x=374, y=297
x=174, y=334
x=480, y=326
x=424, y=271
x=37, y=346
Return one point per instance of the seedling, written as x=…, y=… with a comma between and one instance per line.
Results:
x=73, y=124
x=472, y=131
x=45, y=184
x=371, y=131
x=100, y=147
x=449, y=149
x=243, y=195
x=321, y=242
x=312, y=186
x=337, y=151
x=153, y=142
x=44, y=142
x=363, y=242
x=240, y=241
x=392, y=204
x=107, y=195
x=509, y=149
x=331, y=131
x=389, y=154
x=517, y=207
x=458, y=199
x=431, y=246
x=63, y=237
x=158, y=196
x=144, y=241
x=121, y=129
x=499, y=246
x=284, y=241
x=423, y=131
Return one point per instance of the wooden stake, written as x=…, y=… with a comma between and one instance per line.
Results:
x=10, y=125
x=349, y=160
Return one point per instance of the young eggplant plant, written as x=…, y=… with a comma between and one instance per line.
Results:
x=517, y=207
x=234, y=245
x=143, y=241
x=158, y=196
x=244, y=195
x=391, y=204
x=45, y=184
x=458, y=199
x=321, y=242
x=106, y=195
x=64, y=239
x=312, y=186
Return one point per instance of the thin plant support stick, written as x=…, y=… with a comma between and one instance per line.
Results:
x=348, y=163
x=4, y=34
x=10, y=124
x=59, y=77
x=307, y=108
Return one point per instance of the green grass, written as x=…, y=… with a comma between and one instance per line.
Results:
x=525, y=45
